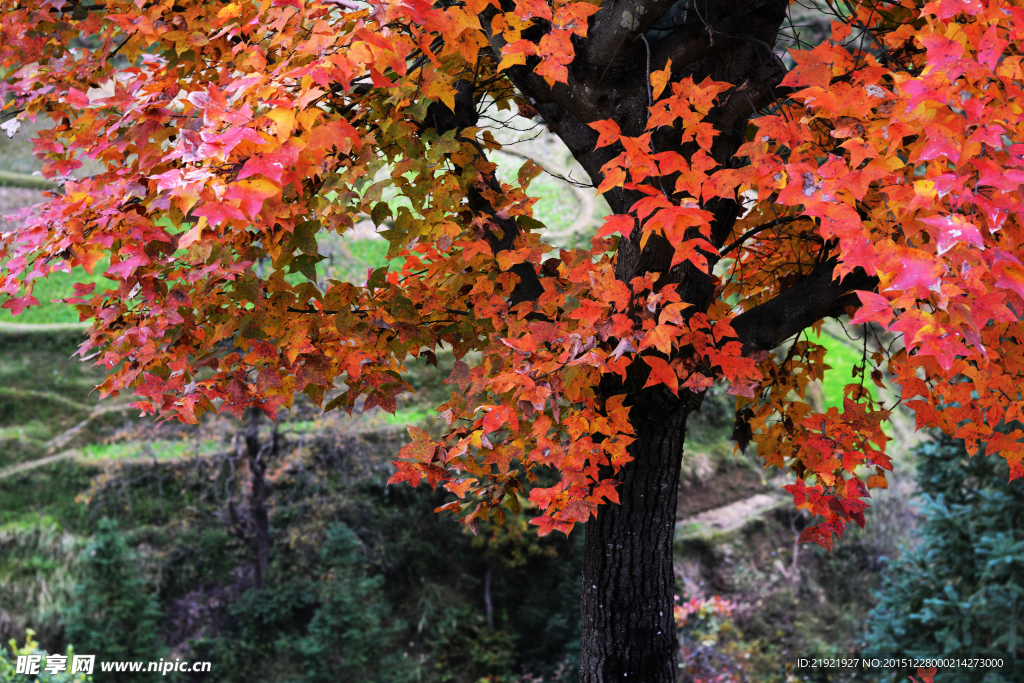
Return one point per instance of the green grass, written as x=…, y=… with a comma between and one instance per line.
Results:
x=841, y=357
x=16, y=153
x=26, y=181
x=57, y=286
x=159, y=449
x=350, y=263
x=39, y=564
x=39, y=373
x=409, y=416
x=556, y=208
x=47, y=490
x=348, y=259
x=32, y=430
x=373, y=253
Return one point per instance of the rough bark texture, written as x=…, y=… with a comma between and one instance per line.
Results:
x=808, y=301
x=628, y=631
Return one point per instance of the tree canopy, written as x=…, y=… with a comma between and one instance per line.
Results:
x=878, y=178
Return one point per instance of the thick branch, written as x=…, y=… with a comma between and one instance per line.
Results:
x=724, y=251
x=616, y=26
x=699, y=36
x=756, y=91
x=443, y=119
x=684, y=45
x=817, y=296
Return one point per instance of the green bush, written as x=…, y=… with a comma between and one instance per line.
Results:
x=115, y=616
x=351, y=624
x=299, y=629
x=961, y=590
x=9, y=661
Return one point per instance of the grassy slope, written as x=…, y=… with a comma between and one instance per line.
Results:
x=337, y=473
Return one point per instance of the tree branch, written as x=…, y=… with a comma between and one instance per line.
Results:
x=692, y=41
x=619, y=23
x=443, y=119
x=741, y=102
x=817, y=296
x=684, y=46
x=753, y=231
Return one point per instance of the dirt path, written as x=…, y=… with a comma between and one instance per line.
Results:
x=32, y=464
x=728, y=517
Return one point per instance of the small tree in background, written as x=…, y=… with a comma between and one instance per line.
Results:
x=299, y=629
x=961, y=590
x=345, y=635
x=116, y=616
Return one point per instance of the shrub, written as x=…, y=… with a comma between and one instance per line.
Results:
x=961, y=590
x=8, y=665
x=299, y=629
x=116, y=616
x=351, y=624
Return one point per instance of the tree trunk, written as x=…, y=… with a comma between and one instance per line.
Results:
x=259, y=524
x=628, y=629
x=487, y=594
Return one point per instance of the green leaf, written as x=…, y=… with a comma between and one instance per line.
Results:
x=381, y=211
x=306, y=265
x=304, y=237
x=528, y=223
x=377, y=278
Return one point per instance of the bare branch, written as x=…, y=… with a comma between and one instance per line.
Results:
x=753, y=231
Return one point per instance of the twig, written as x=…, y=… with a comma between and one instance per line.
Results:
x=753, y=231
x=650, y=92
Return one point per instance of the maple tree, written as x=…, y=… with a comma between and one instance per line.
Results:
x=879, y=178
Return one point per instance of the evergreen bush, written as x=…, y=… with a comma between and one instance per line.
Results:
x=346, y=634
x=961, y=589
x=115, y=616
x=299, y=629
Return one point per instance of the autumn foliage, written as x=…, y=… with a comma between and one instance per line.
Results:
x=236, y=133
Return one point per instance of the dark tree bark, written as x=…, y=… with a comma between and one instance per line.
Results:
x=628, y=631
x=257, y=532
x=488, y=605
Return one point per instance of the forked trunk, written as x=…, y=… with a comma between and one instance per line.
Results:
x=628, y=629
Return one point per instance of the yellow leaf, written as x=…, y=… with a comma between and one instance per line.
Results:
x=517, y=59
x=659, y=79
x=229, y=12
x=285, y=122
x=308, y=117
x=478, y=6
x=193, y=234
